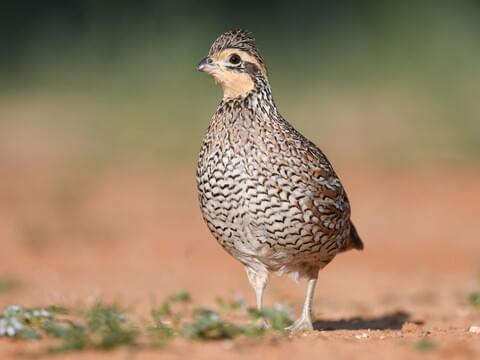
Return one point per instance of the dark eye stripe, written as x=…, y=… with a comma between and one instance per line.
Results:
x=251, y=68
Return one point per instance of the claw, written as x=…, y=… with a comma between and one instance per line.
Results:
x=302, y=324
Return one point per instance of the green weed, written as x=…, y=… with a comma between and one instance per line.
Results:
x=106, y=326
x=425, y=345
x=474, y=299
x=97, y=327
x=8, y=284
x=209, y=325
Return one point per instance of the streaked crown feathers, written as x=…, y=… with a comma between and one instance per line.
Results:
x=237, y=39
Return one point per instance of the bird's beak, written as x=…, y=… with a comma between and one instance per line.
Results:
x=205, y=64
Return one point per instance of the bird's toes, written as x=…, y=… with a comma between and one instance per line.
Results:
x=301, y=324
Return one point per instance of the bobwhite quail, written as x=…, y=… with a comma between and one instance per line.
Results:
x=268, y=194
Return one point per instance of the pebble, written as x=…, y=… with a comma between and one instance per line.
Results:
x=411, y=328
x=475, y=329
x=361, y=336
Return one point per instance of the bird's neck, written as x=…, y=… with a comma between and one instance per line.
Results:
x=258, y=99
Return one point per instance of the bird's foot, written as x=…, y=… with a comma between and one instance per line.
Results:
x=301, y=324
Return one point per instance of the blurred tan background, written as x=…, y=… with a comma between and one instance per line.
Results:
x=102, y=113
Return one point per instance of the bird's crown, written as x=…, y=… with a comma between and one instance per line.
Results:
x=240, y=39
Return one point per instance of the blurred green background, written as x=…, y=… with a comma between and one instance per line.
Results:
x=103, y=82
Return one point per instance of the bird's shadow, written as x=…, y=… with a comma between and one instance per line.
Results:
x=392, y=321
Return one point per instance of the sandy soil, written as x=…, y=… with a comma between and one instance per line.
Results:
x=135, y=234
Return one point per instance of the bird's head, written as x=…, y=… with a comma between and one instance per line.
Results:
x=235, y=63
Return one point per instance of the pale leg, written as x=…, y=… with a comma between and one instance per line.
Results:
x=305, y=321
x=258, y=280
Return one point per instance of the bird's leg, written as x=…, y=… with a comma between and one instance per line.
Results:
x=258, y=280
x=305, y=321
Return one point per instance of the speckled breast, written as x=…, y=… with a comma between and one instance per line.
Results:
x=260, y=202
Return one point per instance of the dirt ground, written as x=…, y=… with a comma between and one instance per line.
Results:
x=134, y=234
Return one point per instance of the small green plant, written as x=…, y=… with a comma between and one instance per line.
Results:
x=164, y=322
x=474, y=299
x=26, y=322
x=177, y=317
x=277, y=317
x=8, y=284
x=209, y=325
x=105, y=326
x=98, y=327
x=71, y=336
x=159, y=333
x=425, y=345
x=108, y=327
x=227, y=306
x=180, y=296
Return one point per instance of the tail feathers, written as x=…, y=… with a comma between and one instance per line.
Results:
x=354, y=241
x=355, y=238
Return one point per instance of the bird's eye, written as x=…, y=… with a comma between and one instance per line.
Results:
x=234, y=59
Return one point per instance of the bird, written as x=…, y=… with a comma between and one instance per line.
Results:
x=269, y=196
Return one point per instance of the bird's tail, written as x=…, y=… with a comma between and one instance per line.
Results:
x=354, y=241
